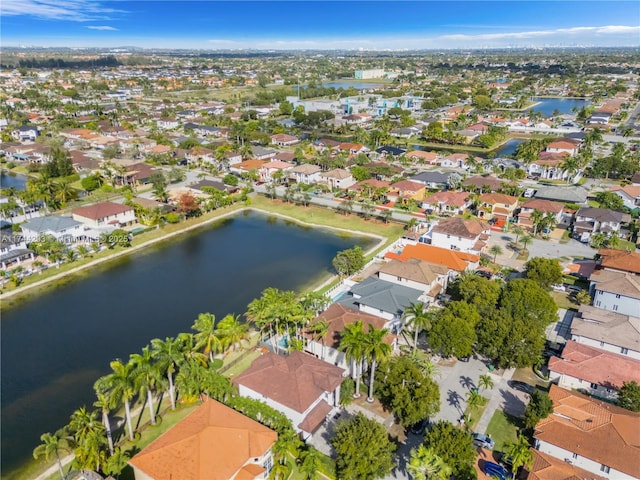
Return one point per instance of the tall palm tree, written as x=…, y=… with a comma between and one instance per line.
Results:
x=520, y=454
x=167, y=355
x=231, y=331
x=105, y=404
x=485, y=382
x=320, y=329
x=518, y=231
x=376, y=350
x=116, y=463
x=425, y=464
x=419, y=318
x=89, y=438
x=147, y=377
x=310, y=464
x=536, y=218
x=352, y=344
x=207, y=337
x=473, y=399
x=495, y=250
x=120, y=387
x=51, y=445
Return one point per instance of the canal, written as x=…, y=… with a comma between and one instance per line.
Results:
x=546, y=106
x=55, y=346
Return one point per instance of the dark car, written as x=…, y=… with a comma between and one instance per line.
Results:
x=484, y=273
x=521, y=386
x=495, y=470
x=420, y=427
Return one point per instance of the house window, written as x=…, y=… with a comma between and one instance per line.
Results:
x=448, y=236
x=575, y=456
x=615, y=308
x=268, y=464
x=617, y=295
x=594, y=386
x=604, y=468
x=598, y=303
x=624, y=351
x=602, y=344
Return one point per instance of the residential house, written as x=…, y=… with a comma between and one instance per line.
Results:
x=261, y=153
x=430, y=278
x=564, y=145
x=353, y=148
x=457, y=262
x=405, y=132
x=167, y=123
x=105, y=214
x=233, y=158
x=456, y=160
x=306, y=173
x=546, y=467
x=607, y=330
x=284, y=140
x=214, y=442
x=593, y=220
x=562, y=194
x=337, y=178
x=470, y=236
x=447, y=202
x=383, y=299
x=13, y=248
x=246, y=166
x=484, y=183
x=550, y=166
x=615, y=291
x=83, y=163
x=305, y=389
x=619, y=260
x=433, y=180
x=25, y=133
x=630, y=195
x=270, y=171
x=498, y=206
x=593, y=371
x=406, y=190
x=594, y=435
x=390, y=151
x=370, y=188
x=337, y=317
x=543, y=206
x=64, y=229
x=427, y=158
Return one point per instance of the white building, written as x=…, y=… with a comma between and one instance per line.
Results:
x=616, y=291
x=468, y=236
x=63, y=229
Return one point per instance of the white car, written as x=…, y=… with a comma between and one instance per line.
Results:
x=559, y=287
x=528, y=193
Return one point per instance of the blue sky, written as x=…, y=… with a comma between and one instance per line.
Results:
x=368, y=25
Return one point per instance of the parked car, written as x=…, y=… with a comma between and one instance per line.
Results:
x=521, y=386
x=573, y=289
x=484, y=441
x=420, y=427
x=558, y=287
x=495, y=470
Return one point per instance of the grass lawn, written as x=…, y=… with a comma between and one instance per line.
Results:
x=503, y=429
x=473, y=415
x=244, y=362
x=563, y=300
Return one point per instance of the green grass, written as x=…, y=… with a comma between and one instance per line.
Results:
x=244, y=363
x=503, y=429
x=563, y=301
x=473, y=415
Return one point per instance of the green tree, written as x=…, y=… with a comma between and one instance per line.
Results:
x=89, y=439
x=453, y=445
x=485, y=382
x=119, y=386
x=629, y=396
x=320, y=329
x=116, y=463
x=609, y=200
x=51, y=446
x=363, y=449
x=105, y=404
x=347, y=262
x=352, y=343
x=310, y=464
x=376, y=349
x=231, y=331
x=495, y=250
x=207, y=336
x=407, y=390
x=544, y=271
x=477, y=291
x=147, y=377
x=168, y=354
x=419, y=318
x=520, y=454
x=426, y=465
x=540, y=406
x=453, y=330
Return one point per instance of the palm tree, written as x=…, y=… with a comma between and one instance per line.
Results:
x=495, y=250
x=310, y=464
x=473, y=399
x=116, y=463
x=51, y=445
x=526, y=239
x=424, y=464
x=231, y=331
x=376, y=350
x=419, y=318
x=119, y=386
x=518, y=231
x=207, y=336
x=352, y=344
x=520, y=454
x=485, y=382
x=320, y=329
x=89, y=438
x=147, y=377
x=105, y=404
x=167, y=355
x=536, y=218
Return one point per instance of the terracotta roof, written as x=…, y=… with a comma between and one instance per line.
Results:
x=493, y=198
x=484, y=181
x=595, y=366
x=460, y=227
x=315, y=417
x=415, y=270
x=101, y=210
x=338, y=316
x=422, y=154
x=566, y=144
x=295, y=381
x=408, y=185
x=593, y=429
x=278, y=165
x=455, y=199
x=544, y=206
x=458, y=261
x=546, y=467
x=212, y=443
x=249, y=165
x=620, y=260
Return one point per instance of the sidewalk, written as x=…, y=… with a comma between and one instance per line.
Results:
x=496, y=401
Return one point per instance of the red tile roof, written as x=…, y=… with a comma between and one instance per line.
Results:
x=458, y=261
x=101, y=210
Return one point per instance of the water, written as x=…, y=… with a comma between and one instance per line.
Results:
x=56, y=346
x=546, y=106
x=508, y=148
x=10, y=179
x=357, y=85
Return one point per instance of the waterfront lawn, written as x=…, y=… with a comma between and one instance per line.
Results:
x=503, y=429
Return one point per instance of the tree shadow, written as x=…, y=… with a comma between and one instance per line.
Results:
x=453, y=399
x=513, y=408
x=467, y=382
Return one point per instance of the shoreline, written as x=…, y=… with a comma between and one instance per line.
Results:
x=16, y=294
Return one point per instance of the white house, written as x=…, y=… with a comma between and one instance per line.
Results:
x=305, y=389
x=269, y=169
x=629, y=194
x=468, y=236
x=306, y=173
x=63, y=229
x=337, y=178
x=167, y=123
x=591, y=434
x=616, y=291
x=105, y=214
x=430, y=278
x=592, y=220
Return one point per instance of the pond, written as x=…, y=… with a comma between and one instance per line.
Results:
x=546, y=106
x=508, y=148
x=55, y=346
x=12, y=180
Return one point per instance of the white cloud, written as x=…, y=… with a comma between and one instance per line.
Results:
x=101, y=27
x=562, y=34
x=71, y=10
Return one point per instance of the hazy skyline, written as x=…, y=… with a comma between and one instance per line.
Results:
x=289, y=25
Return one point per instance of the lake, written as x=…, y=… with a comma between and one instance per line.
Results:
x=10, y=179
x=508, y=148
x=55, y=346
x=547, y=106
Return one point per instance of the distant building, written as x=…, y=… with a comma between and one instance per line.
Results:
x=369, y=74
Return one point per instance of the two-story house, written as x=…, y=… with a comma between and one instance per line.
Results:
x=338, y=178
x=630, y=195
x=615, y=291
x=275, y=171
x=593, y=220
x=64, y=229
x=498, y=206
x=433, y=180
x=594, y=435
x=457, y=262
x=305, y=389
x=470, y=236
x=284, y=140
x=105, y=214
x=447, y=202
x=430, y=278
x=543, y=206
x=406, y=190
x=306, y=173
x=214, y=442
